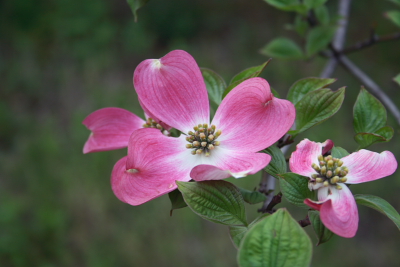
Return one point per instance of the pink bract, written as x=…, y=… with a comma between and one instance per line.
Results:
x=338, y=209
x=172, y=89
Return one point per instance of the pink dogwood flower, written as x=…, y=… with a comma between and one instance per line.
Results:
x=248, y=120
x=328, y=175
x=111, y=128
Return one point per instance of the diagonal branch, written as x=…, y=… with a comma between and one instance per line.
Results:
x=370, y=84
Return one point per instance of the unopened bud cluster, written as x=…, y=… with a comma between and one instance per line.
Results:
x=330, y=171
x=150, y=123
x=203, y=139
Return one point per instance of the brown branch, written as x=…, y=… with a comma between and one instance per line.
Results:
x=275, y=201
x=305, y=222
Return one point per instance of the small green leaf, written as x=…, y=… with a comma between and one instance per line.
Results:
x=215, y=85
x=339, y=152
x=295, y=189
x=249, y=73
x=277, y=164
x=323, y=233
x=135, y=5
x=316, y=107
x=216, y=201
x=368, y=112
x=318, y=39
x=397, y=79
x=384, y=134
x=394, y=16
x=282, y=48
x=380, y=205
x=300, y=24
x=252, y=197
x=277, y=240
x=322, y=15
x=244, y=75
x=237, y=232
x=300, y=88
x=176, y=199
x=395, y=1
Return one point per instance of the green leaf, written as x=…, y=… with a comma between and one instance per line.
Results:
x=368, y=112
x=384, y=134
x=318, y=39
x=300, y=88
x=380, y=205
x=249, y=73
x=295, y=189
x=277, y=164
x=397, y=79
x=316, y=107
x=339, y=152
x=394, y=16
x=135, y=5
x=215, y=85
x=216, y=201
x=300, y=25
x=288, y=5
x=322, y=15
x=275, y=93
x=252, y=197
x=275, y=241
x=282, y=48
x=176, y=199
x=244, y=75
x=323, y=233
x=237, y=232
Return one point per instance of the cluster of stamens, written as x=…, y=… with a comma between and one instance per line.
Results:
x=330, y=171
x=203, y=139
x=150, y=123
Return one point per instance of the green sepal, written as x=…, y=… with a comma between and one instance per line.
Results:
x=323, y=233
x=276, y=240
x=177, y=201
x=135, y=5
x=339, y=152
x=215, y=85
x=252, y=197
x=318, y=39
x=282, y=48
x=295, y=189
x=244, y=75
x=316, y=107
x=277, y=165
x=380, y=205
x=216, y=201
x=301, y=87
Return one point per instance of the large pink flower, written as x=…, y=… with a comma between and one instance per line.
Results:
x=338, y=209
x=248, y=120
x=111, y=128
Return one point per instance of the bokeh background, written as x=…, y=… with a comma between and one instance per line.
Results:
x=60, y=60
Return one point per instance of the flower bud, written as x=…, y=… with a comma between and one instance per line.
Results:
x=196, y=143
x=189, y=146
x=320, y=158
x=323, y=170
x=329, y=174
x=199, y=151
x=203, y=144
x=319, y=180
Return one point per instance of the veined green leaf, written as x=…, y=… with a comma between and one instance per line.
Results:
x=339, y=152
x=394, y=16
x=275, y=241
x=176, y=199
x=215, y=85
x=282, y=48
x=300, y=88
x=295, y=189
x=216, y=201
x=318, y=39
x=323, y=233
x=380, y=205
x=277, y=164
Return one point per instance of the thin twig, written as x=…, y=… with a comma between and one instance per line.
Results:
x=371, y=85
x=339, y=39
x=305, y=222
x=374, y=39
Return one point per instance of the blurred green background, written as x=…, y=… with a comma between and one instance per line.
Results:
x=60, y=60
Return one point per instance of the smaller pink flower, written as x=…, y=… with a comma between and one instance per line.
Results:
x=328, y=175
x=111, y=128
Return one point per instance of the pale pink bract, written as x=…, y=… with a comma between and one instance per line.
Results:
x=338, y=209
x=172, y=88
